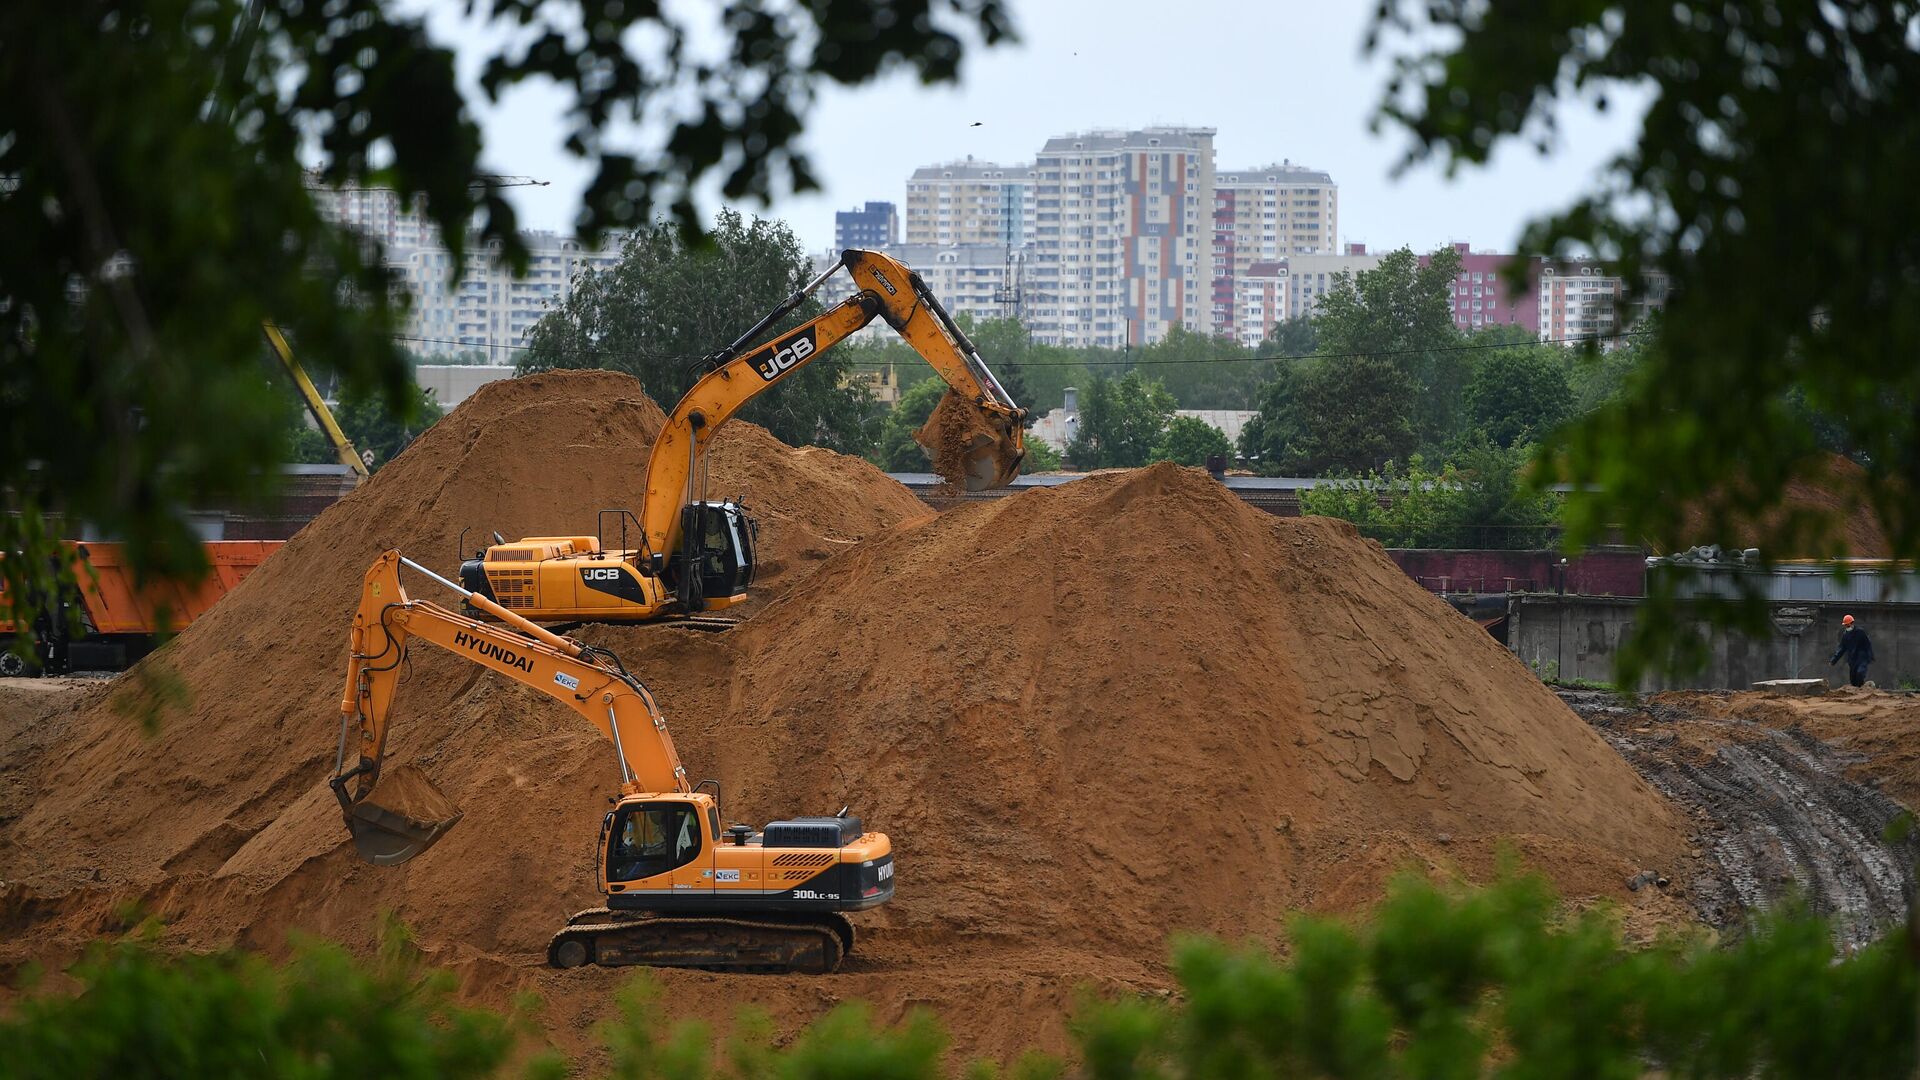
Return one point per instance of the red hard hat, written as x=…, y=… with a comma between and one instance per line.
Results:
x=1846, y=620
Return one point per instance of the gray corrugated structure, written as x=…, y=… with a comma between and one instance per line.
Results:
x=1812, y=582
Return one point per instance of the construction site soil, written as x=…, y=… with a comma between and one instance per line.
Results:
x=1088, y=716
x=1786, y=797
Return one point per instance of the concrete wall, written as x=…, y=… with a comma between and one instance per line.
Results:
x=1577, y=637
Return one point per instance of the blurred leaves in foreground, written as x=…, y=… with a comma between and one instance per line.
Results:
x=1440, y=982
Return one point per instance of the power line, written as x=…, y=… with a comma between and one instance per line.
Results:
x=1582, y=339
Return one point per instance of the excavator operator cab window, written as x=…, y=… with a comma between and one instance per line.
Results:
x=650, y=839
x=723, y=547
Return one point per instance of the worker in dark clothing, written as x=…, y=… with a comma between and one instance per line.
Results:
x=1855, y=648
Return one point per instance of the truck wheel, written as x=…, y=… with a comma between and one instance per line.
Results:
x=11, y=666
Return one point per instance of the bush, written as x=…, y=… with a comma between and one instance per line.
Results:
x=1439, y=983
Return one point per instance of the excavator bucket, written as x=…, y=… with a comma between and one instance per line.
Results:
x=973, y=447
x=404, y=815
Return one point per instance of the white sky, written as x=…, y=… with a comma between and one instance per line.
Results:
x=1283, y=79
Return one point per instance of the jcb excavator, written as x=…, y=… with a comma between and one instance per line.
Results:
x=681, y=891
x=696, y=555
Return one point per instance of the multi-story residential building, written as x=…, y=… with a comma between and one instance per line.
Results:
x=982, y=280
x=1260, y=215
x=1480, y=296
x=1581, y=299
x=970, y=202
x=1122, y=236
x=477, y=304
x=875, y=226
x=1311, y=277
x=1260, y=301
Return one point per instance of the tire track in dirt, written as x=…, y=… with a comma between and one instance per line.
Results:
x=1776, y=813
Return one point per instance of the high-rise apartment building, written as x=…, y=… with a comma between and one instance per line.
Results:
x=1260, y=215
x=1579, y=299
x=1313, y=276
x=488, y=308
x=485, y=307
x=1480, y=297
x=981, y=280
x=1122, y=237
x=877, y=225
x=1260, y=301
x=970, y=202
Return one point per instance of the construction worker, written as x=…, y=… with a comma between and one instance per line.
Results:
x=1856, y=648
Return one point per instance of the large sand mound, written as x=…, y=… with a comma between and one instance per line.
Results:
x=1087, y=715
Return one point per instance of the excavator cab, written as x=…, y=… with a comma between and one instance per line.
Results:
x=716, y=564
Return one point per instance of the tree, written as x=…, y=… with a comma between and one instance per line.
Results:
x=1333, y=415
x=1003, y=346
x=1402, y=312
x=367, y=424
x=1482, y=501
x=1041, y=457
x=1191, y=441
x=155, y=207
x=895, y=450
x=1205, y=372
x=1121, y=421
x=1767, y=127
x=1518, y=394
x=1294, y=337
x=668, y=303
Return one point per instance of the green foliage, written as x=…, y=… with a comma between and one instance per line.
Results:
x=1519, y=394
x=1482, y=501
x=1121, y=421
x=1400, y=313
x=668, y=303
x=1294, y=337
x=1204, y=372
x=1391, y=377
x=1332, y=415
x=1496, y=981
x=1767, y=127
x=1003, y=345
x=366, y=422
x=1190, y=440
x=1041, y=457
x=1440, y=981
x=230, y=1014
x=895, y=450
x=155, y=208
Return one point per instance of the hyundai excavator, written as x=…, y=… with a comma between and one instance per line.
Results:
x=681, y=890
x=697, y=555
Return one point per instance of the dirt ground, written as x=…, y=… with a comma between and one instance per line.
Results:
x=1088, y=716
x=1788, y=796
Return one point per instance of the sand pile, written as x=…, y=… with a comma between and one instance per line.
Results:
x=1091, y=713
x=538, y=455
x=1087, y=715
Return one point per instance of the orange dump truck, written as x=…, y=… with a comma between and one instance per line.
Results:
x=119, y=621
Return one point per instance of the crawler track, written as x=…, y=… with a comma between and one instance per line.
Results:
x=761, y=944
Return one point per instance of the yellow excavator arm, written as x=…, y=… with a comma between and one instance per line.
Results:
x=888, y=290
x=343, y=447
x=589, y=681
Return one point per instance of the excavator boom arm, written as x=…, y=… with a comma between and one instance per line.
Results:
x=588, y=681
x=889, y=290
x=316, y=405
